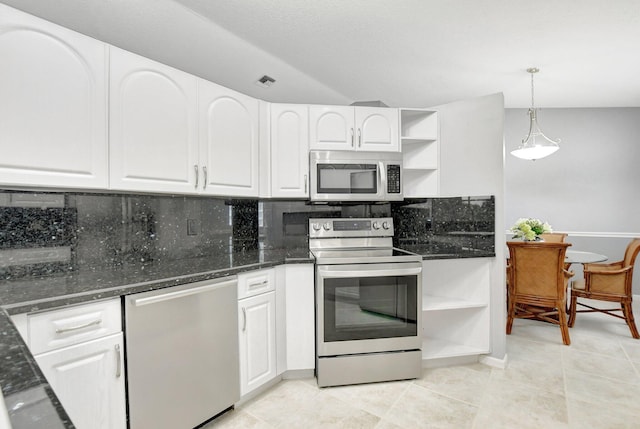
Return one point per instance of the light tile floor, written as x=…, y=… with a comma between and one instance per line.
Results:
x=593, y=383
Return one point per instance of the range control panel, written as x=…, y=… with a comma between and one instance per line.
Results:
x=351, y=227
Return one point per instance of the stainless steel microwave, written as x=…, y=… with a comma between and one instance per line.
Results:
x=355, y=176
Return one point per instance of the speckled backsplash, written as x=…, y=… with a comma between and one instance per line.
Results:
x=42, y=233
x=456, y=223
x=51, y=232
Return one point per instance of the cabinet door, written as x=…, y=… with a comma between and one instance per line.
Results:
x=229, y=124
x=153, y=140
x=300, y=322
x=331, y=128
x=52, y=105
x=377, y=129
x=289, y=151
x=257, y=325
x=88, y=378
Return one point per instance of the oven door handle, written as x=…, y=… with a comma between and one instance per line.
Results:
x=333, y=271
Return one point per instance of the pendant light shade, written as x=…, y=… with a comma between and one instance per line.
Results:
x=535, y=145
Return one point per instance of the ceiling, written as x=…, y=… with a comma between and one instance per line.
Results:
x=406, y=53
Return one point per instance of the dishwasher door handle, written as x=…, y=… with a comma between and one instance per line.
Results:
x=139, y=302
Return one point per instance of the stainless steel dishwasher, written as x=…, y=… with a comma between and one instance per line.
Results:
x=182, y=354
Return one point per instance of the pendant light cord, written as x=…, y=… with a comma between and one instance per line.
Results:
x=532, y=71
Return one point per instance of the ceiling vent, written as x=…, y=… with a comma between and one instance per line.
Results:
x=265, y=81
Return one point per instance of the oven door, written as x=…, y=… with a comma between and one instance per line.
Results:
x=365, y=308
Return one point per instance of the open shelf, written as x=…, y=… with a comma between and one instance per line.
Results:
x=436, y=303
x=456, y=313
x=420, y=155
x=419, y=124
x=433, y=348
x=416, y=140
x=420, y=152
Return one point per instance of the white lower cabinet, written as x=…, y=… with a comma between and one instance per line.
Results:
x=257, y=329
x=455, y=303
x=80, y=351
x=88, y=378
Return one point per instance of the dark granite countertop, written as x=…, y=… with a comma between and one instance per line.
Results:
x=443, y=251
x=40, y=293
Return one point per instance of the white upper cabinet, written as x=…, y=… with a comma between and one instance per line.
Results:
x=377, y=129
x=153, y=134
x=289, y=151
x=353, y=128
x=228, y=134
x=52, y=105
x=331, y=128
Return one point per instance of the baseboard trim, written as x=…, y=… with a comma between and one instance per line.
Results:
x=449, y=361
x=298, y=374
x=495, y=362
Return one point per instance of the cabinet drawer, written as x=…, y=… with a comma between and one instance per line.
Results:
x=67, y=326
x=256, y=282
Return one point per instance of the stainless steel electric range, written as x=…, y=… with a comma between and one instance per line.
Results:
x=368, y=302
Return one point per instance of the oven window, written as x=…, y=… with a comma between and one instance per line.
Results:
x=368, y=308
x=347, y=179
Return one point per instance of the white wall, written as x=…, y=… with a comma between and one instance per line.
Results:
x=590, y=188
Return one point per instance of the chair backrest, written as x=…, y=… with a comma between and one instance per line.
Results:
x=554, y=237
x=537, y=268
x=632, y=251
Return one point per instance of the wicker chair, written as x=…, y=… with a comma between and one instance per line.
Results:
x=608, y=282
x=554, y=237
x=538, y=283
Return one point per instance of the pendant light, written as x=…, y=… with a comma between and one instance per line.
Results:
x=535, y=145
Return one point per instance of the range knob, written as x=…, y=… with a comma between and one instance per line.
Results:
x=386, y=225
x=376, y=225
x=327, y=226
x=315, y=226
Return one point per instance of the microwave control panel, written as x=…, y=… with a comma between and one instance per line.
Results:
x=393, y=179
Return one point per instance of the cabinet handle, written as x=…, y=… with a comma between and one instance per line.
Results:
x=258, y=284
x=204, y=183
x=359, y=138
x=118, y=361
x=75, y=328
x=305, y=184
x=195, y=167
x=352, y=138
x=244, y=319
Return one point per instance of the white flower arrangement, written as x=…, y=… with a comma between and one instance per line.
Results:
x=529, y=228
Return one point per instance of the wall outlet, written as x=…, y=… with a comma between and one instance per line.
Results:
x=193, y=226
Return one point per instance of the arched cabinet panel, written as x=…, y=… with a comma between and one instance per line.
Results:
x=153, y=139
x=52, y=105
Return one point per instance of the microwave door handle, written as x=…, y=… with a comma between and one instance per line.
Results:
x=382, y=179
